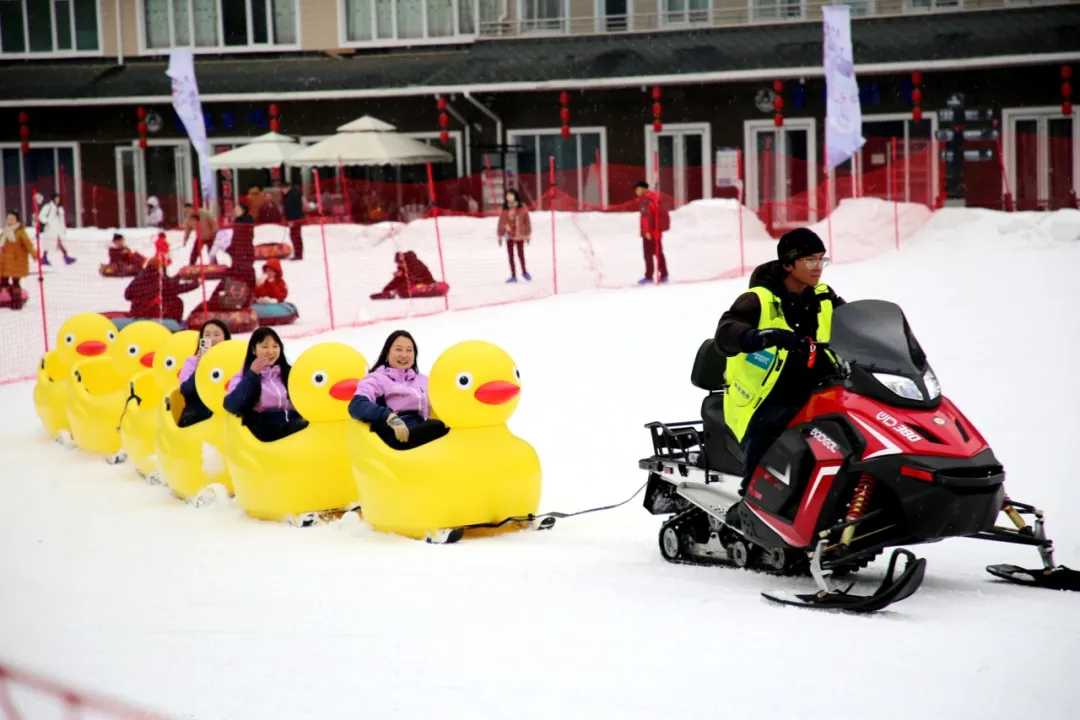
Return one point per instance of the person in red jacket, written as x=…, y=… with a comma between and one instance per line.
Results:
x=153, y=294
x=516, y=229
x=651, y=234
x=272, y=288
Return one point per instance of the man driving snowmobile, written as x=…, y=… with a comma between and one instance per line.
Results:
x=785, y=306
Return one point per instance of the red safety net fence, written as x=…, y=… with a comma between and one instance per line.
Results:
x=25, y=695
x=585, y=235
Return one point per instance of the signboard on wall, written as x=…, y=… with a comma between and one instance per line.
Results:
x=727, y=168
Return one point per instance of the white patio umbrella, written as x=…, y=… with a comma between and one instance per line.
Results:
x=368, y=141
x=266, y=151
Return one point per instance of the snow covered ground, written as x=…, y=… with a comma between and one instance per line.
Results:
x=593, y=250
x=108, y=583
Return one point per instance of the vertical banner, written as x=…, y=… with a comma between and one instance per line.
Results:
x=843, y=114
x=185, y=94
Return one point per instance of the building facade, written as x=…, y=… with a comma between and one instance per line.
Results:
x=79, y=70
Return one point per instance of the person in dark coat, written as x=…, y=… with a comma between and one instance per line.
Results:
x=259, y=393
x=242, y=249
x=410, y=272
x=153, y=294
x=195, y=410
x=294, y=215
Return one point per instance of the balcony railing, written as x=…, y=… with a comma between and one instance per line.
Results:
x=684, y=14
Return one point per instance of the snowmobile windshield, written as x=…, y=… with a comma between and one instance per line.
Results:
x=875, y=335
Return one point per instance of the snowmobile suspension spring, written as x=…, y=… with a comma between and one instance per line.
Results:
x=859, y=502
x=1010, y=511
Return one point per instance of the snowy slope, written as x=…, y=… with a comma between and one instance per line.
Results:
x=110, y=584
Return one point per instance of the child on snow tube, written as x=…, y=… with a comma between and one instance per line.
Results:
x=195, y=410
x=259, y=393
x=403, y=417
x=123, y=261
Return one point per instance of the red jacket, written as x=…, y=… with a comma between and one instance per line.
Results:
x=516, y=222
x=650, y=215
x=153, y=294
x=125, y=256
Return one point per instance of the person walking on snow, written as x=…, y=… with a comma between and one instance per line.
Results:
x=651, y=233
x=15, y=253
x=516, y=229
x=205, y=227
x=53, y=225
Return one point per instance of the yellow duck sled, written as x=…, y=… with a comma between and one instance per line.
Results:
x=81, y=336
x=304, y=477
x=98, y=387
x=139, y=420
x=478, y=479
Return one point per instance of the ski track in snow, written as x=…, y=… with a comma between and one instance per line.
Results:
x=110, y=584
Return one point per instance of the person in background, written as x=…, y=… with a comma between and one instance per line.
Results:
x=259, y=393
x=155, y=216
x=411, y=271
x=205, y=227
x=516, y=229
x=53, y=225
x=272, y=288
x=393, y=398
x=294, y=214
x=123, y=257
x=242, y=246
x=154, y=294
x=651, y=234
x=195, y=410
x=15, y=253
x=269, y=212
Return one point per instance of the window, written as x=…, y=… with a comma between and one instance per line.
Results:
x=44, y=169
x=777, y=9
x=682, y=12
x=934, y=4
x=860, y=7
x=48, y=26
x=576, y=173
x=368, y=21
x=218, y=23
x=542, y=15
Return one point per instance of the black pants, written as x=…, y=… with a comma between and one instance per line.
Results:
x=650, y=248
x=13, y=281
x=768, y=424
x=421, y=431
x=271, y=425
x=520, y=244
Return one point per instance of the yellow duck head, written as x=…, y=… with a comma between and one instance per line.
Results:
x=169, y=358
x=474, y=384
x=83, y=336
x=324, y=379
x=216, y=369
x=133, y=351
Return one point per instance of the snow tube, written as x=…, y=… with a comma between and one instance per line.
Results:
x=13, y=301
x=418, y=291
x=278, y=250
x=123, y=270
x=239, y=321
x=122, y=320
x=282, y=313
x=213, y=272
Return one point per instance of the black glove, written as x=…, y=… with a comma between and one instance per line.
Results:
x=755, y=339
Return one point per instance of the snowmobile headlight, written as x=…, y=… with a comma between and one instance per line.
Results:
x=902, y=386
x=932, y=385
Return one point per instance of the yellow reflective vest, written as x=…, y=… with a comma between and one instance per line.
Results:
x=752, y=376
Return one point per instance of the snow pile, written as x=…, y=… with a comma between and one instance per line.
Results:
x=110, y=584
x=862, y=228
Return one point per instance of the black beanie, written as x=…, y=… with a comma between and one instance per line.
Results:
x=798, y=243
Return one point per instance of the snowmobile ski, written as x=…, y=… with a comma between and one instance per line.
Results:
x=1058, y=578
x=322, y=517
x=891, y=590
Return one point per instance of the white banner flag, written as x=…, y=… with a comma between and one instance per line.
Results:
x=843, y=114
x=185, y=97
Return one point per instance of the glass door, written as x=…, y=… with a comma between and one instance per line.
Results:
x=679, y=163
x=780, y=169
x=163, y=171
x=1040, y=158
x=130, y=188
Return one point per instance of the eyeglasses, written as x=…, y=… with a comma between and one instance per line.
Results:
x=812, y=263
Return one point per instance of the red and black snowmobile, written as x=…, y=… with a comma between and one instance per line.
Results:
x=876, y=459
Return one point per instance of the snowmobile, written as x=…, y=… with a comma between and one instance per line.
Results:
x=876, y=459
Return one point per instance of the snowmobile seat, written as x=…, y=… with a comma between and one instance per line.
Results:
x=721, y=449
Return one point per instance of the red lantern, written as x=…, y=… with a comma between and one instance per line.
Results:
x=25, y=146
x=275, y=125
x=24, y=132
x=916, y=96
x=442, y=103
x=564, y=98
x=142, y=143
x=778, y=103
x=444, y=120
x=1066, y=72
x=657, y=109
x=778, y=86
x=1066, y=108
x=274, y=110
x=24, y=117
x=142, y=127
x=916, y=114
x=141, y=113
x=1066, y=91
x=657, y=126
x=778, y=120
x=444, y=137
x=564, y=115
x=657, y=93
x=565, y=131
x=916, y=78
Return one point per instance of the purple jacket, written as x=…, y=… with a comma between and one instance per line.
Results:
x=401, y=390
x=273, y=395
x=189, y=367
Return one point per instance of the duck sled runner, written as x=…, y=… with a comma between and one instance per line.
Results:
x=877, y=460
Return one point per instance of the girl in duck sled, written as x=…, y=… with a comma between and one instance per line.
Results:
x=259, y=393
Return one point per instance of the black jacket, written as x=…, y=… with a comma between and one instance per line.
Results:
x=800, y=311
x=294, y=204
